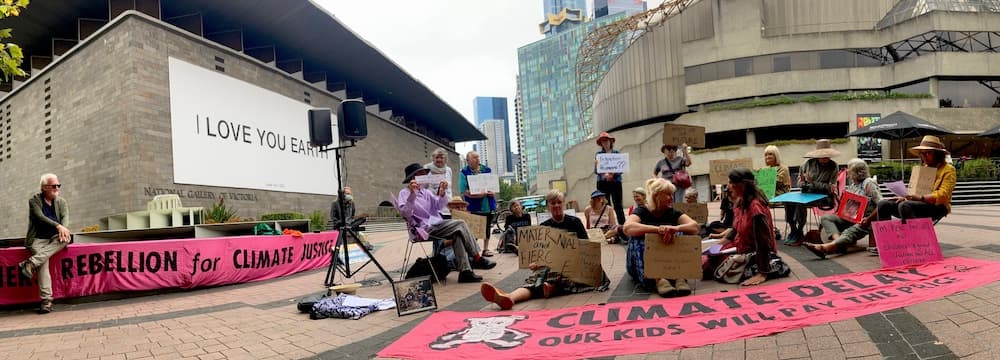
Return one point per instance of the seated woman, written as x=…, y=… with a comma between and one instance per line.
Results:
x=516, y=219
x=545, y=283
x=752, y=223
x=599, y=215
x=657, y=217
x=845, y=233
x=935, y=205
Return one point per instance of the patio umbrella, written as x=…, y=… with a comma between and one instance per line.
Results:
x=898, y=126
x=992, y=133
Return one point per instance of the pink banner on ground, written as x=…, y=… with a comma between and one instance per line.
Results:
x=914, y=242
x=659, y=325
x=89, y=269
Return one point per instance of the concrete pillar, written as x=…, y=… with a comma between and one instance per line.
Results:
x=933, y=84
x=751, y=138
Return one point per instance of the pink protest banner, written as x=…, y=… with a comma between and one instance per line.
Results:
x=665, y=324
x=89, y=269
x=902, y=244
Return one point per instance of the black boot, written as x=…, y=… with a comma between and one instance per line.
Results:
x=468, y=276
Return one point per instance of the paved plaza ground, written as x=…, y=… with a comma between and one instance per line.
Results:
x=260, y=321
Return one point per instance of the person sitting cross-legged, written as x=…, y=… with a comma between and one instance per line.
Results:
x=844, y=233
x=422, y=209
x=545, y=283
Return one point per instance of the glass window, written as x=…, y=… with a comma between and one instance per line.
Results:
x=923, y=87
x=743, y=67
x=782, y=63
x=834, y=59
x=726, y=69
x=967, y=94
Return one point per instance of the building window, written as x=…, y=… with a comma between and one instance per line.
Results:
x=782, y=63
x=834, y=59
x=969, y=93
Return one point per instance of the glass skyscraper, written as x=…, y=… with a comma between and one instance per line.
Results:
x=495, y=108
x=604, y=8
x=550, y=117
x=556, y=6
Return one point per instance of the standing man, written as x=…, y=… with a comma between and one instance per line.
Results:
x=47, y=235
x=483, y=204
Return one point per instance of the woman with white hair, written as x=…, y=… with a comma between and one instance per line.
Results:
x=844, y=233
x=439, y=166
x=657, y=217
x=783, y=183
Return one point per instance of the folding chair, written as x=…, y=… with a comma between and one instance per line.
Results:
x=415, y=241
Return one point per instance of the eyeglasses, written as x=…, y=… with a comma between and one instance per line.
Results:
x=55, y=186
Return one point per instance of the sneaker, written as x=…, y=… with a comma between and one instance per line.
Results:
x=45, y=307
x=483, y=263
x=496, y=296
x=872, y=251
x=27, y=270
x=468, y=276
x=683, y=289
x=793, y=237
x=664, y=288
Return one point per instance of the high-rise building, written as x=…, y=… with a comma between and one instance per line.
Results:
x=521, y=170
x=548, y=110
x=493, y=151
x=562, y=15
x=495, y=108
x=604, y=8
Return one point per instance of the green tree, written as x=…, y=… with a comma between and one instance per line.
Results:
x=514, y=190
x=10, y=53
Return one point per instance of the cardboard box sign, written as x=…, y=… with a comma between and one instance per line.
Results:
x=852, y=207
x=698, y=212
x=719, y=169
x=922, y=180
x=561, y=251
x=674, y=134
x=679, y=260
x=476, y=223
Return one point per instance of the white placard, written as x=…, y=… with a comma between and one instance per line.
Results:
x=612, y=163
x=432, y=179
x=544, y=216
x=231, y=133
x=481, y=183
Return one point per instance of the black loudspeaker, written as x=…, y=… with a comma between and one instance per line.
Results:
x=320, y=127
x=352, y=118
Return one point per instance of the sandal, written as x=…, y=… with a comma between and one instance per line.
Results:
x=814, y=248
x=487, y=253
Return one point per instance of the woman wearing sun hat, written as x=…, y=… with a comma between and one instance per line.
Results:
x=935, y=205
x=817, y=175
x=610, y=183
x=598, y=215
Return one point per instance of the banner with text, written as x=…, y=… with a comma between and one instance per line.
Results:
x=90, y=269
x=914, y=242
x=216, y=121
x=638, y=327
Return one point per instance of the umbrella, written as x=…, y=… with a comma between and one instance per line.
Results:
x=898, y=126
x=993, y=133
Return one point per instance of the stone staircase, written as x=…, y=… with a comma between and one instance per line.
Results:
x=968, y=193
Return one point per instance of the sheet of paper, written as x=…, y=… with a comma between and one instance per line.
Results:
x=612, y=163
x=481, y=183
x=898, y=188
x=431, y=179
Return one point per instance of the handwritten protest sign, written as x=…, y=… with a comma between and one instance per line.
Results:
x=595, y=234
x=767, y=180
x=698, y=212
x=679, y=260
x=612, y=163
x=481, y=183
x=719, y=169
x=477, y=223
x=561, y=251
x=922, y=180
x=675, y=134
x=903, y=244
x=434, y=179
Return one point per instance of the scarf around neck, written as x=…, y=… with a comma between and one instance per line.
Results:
x=436, y=170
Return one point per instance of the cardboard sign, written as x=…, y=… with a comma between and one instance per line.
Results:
x=595, y=234
x=612, y=163
x=482, y=183
x=679, y=260
x=922, y=180
x=852, y=207
x=698, y=212
x=477, y=223
x=435, y=179
x=675, y=134
x=718, y=170
x=904, y=244
x=561, y=251
x=767, y=180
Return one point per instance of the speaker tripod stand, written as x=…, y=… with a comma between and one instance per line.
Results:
x=346, y=233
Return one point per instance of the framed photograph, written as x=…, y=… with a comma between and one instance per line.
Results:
x=414, y=295
x=852, y=207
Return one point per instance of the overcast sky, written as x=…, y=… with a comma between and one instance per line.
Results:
x=459, y=49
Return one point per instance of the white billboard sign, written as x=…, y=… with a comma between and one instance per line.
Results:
x=230, y=133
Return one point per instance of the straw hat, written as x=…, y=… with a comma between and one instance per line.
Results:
x=605, y=135
x=929, y=142
x=824, y=149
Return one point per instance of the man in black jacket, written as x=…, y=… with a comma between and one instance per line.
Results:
x=47, y=235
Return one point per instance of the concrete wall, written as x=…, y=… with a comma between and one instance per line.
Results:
x=111, y=131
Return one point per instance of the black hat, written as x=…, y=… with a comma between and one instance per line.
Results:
x=742, y=174
x=411, y=171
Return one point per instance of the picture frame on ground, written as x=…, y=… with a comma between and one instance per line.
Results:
x=852, y=207
x=414, y=295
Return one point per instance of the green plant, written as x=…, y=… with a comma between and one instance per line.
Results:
x=317, y=221
x=282, y=216
x=220, y=213
x=11, y=55
x=784, y=100
x=977, y=169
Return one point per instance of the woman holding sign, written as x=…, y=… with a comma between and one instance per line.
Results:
x=673, y=167
x=545, y=283
x=657, y=217
x=484, y=203
x=936, y=204
x=752, y=224
x=610, y=183
x=845, y=233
